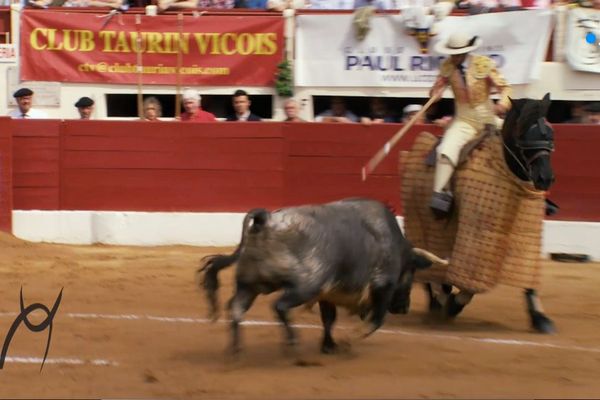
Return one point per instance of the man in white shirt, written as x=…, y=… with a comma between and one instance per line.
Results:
x=24, y=99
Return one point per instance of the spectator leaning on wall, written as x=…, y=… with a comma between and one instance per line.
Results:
x=592, y=113
x=337, y=112
x=24, y=99
x=85, y=107
x=241, y=106
x=291, y=109
x=152, y=109
x=193, y=111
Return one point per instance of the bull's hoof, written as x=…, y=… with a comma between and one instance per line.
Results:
x=453, y=308
x=541, y=323
x=329, y=348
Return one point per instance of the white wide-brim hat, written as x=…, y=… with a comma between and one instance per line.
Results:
x=458, y=43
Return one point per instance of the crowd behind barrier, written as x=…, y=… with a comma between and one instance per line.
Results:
x=377, y=109
x=468, y=6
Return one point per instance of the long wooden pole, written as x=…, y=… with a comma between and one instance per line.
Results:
x=389, y=145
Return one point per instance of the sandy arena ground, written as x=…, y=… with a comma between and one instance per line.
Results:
x=131, y=325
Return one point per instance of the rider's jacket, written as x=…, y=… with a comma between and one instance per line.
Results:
x=482, y=79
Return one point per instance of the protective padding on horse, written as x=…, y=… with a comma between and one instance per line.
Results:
x=495, y=235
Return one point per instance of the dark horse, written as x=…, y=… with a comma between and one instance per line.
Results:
x=527, y=143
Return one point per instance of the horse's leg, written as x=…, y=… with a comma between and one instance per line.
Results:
x=539, y=321
x=456, y=302
x=438, y=295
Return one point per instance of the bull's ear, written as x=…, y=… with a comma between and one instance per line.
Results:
x=545, y=105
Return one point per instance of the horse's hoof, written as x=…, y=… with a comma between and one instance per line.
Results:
x=453, y=308
x=435, y=306
x=330, y=348
x=542, y=324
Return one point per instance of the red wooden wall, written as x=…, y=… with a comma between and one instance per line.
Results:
x=6, y=181
x=171, y=166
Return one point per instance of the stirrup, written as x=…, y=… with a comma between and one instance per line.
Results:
x=441, y=204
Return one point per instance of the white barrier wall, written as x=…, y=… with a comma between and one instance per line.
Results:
x=219, y=229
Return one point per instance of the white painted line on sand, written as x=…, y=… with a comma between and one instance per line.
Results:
x=60, y=360
x=419, y=334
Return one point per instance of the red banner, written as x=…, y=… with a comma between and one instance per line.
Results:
x=206, y=50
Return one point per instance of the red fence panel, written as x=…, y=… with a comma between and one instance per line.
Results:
x=172, y=166
x=577, y=169
x=36, y=164
x=6, y=180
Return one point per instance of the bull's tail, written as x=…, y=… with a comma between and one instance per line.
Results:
x=254, y=221
x=423, y=258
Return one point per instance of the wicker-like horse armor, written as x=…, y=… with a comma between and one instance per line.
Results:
x=494, y=234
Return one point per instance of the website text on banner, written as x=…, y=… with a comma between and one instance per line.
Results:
x=390, y=57
x=215, y=50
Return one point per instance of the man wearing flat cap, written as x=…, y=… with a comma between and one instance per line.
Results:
x=472, y=78
x=24, y=99
x=85, y=107
x=592, y=113
x=193, y=110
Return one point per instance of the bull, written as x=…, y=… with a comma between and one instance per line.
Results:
x=348, y=253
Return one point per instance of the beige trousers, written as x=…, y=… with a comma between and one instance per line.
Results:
x=468, y=123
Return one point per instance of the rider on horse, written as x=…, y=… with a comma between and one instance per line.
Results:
x=472, y=78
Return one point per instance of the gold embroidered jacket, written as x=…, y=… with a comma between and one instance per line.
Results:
x=482, y=79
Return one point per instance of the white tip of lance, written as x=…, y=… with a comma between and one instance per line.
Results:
x=363, y=173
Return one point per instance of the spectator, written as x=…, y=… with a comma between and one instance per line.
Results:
x=592, y=113
x=85, y=107
x=377, y=4
x=378, y=112
x=193, y=4
x=332, y=4
x=152, y=109
x=280, y=5
x=193, y=111
x=410, y=111
x=256, y=4
x=241, y=106
x=337, y=112
x=24, y=99
x=116, y=4
x=577, y=113
x=291, y=109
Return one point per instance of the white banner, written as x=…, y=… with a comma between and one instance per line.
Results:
x=582, y=42
x=328, y=53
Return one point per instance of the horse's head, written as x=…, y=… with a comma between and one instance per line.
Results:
x=529, y=141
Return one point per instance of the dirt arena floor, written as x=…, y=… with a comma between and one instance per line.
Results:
x=131, y=325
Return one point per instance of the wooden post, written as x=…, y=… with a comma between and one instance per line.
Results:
x=179, y=64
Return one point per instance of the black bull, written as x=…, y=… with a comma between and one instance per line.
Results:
x=348, y=253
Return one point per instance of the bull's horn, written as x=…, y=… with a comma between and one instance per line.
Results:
x=430, y=256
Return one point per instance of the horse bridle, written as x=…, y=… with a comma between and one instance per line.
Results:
x=542, y=147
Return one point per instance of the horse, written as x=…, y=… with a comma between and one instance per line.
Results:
x=493, y=234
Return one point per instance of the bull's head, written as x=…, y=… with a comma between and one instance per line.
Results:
x=419, y=259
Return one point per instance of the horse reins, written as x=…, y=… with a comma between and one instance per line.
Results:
x=544, y=146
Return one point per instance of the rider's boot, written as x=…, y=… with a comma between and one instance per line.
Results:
x=442, y=198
